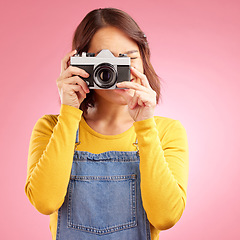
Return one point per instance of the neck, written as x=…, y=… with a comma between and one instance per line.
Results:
x=108, y=118
x=109, y=112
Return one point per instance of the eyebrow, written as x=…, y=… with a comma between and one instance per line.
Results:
x=127, y=52
x=131, y=51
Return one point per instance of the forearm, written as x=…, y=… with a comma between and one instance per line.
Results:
x=50, y=160
x=163, y=184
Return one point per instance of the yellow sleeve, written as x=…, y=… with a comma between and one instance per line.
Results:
x=50, y=159
x=164, y=171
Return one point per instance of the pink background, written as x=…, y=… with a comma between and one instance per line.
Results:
x=195, y=49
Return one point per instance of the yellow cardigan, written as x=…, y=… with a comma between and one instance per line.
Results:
x=163, y=150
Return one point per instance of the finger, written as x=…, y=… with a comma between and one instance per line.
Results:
x=141, y=76
x=80, y=98
x=65, y=60
x=141, y=103
x=70, y=71
x=78, y=89
x=77, y=80
x=124, y=93
x=145, y=99
x=132, y=85
x=134, y=101
x=130, y=99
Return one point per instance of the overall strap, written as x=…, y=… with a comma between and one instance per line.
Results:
x=77, y=141
x=135, y=144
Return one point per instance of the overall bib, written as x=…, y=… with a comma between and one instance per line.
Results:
x=103, y=199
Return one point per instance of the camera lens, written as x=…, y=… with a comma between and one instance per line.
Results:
x=105, y=75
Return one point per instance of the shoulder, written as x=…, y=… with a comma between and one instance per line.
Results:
x=168, y=126
x=46, y=123
x=48, y=119
x=165, y=122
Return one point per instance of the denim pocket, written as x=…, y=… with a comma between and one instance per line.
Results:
x=102, y=204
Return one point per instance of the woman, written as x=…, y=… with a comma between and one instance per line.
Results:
x=105, y=167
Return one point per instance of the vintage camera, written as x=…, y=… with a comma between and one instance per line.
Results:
x=105, y=70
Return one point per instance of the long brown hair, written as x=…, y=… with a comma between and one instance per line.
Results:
x=103, y=17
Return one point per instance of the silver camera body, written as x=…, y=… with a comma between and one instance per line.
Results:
x=105, y=70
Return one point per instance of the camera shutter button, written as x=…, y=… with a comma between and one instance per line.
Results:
x=122, y=55
x=90, y=54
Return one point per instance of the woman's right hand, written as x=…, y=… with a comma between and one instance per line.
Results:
x=72, y=89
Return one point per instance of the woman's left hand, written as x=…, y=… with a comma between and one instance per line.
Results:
x=140, y=97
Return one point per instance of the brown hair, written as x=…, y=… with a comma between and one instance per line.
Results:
x=100, y=18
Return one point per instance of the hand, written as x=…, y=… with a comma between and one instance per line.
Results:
x=72, y=89
x=140, y=97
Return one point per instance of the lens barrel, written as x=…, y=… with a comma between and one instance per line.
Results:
x=105, y=75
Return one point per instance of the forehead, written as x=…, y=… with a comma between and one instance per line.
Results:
x=113, y=39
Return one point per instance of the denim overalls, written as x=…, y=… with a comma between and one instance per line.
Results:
x=103, y=200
